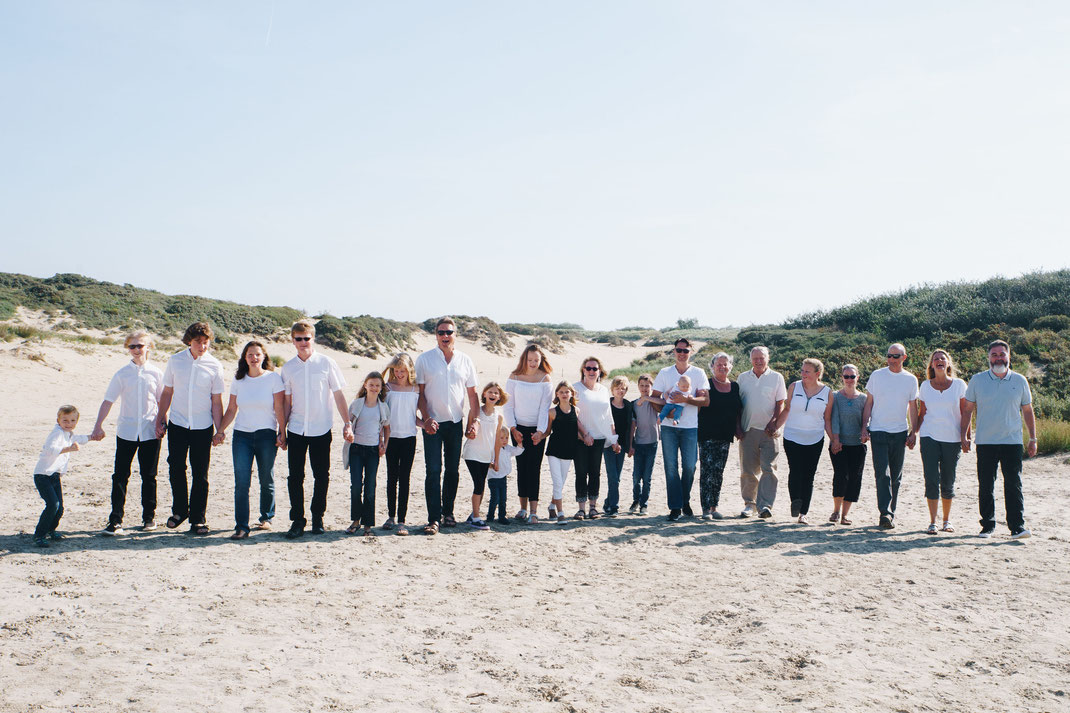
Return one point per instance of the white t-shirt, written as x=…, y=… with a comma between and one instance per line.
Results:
x=194, y=382
x=806, y=417
x=943, y=414
x=311, y=385
x=481, y=448
x=505, y=461
x=256, y=401
x=445, y=385
x=138, y=390
x=759, y=395
x=891, y=394
x=594, y=411
x=667, y=380
x=402, y=412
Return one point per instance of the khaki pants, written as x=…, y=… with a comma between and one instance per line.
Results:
x=757, y=464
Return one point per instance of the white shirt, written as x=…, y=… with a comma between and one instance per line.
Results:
x=51, y=460
x=256, y=401
x=943, y=413
x=528, y=404
x=594, y=411
x=481, y=448
x=666, y=381
x=138, y=390
x=806, y=417
x=505, y=461
x=311, y=385
x=891, y=394
x=402, y=412
x=759, y=394
x=194, y=381
x=445, y=385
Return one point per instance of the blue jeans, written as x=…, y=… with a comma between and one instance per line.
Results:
x=51, y=490
x=679, y=449
x=614, y=466
x=499, y=493
x=444, y=445
x=246, y=446
x=673, y=412
x=642, y=469
x=888, y=450
x=363, y=464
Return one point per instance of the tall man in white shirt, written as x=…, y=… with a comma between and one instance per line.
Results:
x=763, y=393
x=138, y=387
x=679, y=440
x=891, y=408
x=446, y=378
x=314, y=386
x=193, y=386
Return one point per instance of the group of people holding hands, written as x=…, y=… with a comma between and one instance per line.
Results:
x=575, y=426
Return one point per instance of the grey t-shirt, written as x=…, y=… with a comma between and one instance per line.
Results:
x=646, y=419
x=847, y=417
x=367, y=431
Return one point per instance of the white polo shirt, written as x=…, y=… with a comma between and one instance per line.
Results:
x=311, y=385
x=137, y=389
x=759, y=395
x=194, y=381
x=665, y=382
x=445, y=385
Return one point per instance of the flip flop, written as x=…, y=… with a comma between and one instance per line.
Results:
x=352, y=529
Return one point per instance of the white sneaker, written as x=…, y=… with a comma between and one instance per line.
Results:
x=748, y=511
x=986, y=533
x=148, y=525
x=1021, y=534
x=112, y=530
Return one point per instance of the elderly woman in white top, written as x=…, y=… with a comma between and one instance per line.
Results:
x=137, y=387
x=805, y=419
x=193, y=386
x=941, y=398
x=257, y=407
x=526, y=410
x=596, y=416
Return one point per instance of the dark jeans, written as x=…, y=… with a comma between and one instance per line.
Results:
x=847, y=467
x=197, y=445
x=478, y=472
x=51, y=490
x=318, y=449
x=938, y=461
x=588, y=464
x=1009, y=459
x=802, y=465
x=712, y=458
x=614, y=466
x=442, y=451
x=363, y=464
x=499, y=492
x=642, y=469
x=529, y=464
x=246, y=447
x=888, y=450
x=400, y=453
x=148, y=458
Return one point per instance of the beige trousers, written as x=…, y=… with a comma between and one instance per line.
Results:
x=757, y=465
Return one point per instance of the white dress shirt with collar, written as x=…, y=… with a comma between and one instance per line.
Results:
x=194, y=381
x=445, y=384
x=311, y=384
x=137, y=389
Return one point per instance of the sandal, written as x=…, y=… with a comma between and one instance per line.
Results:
x=592, y=514
x=389, y=524
x=173, y=522
x=368, y=532
x=352, y=529
x=402, y=530
x=200, y=530
x=948, y=527
x=553, y=513
x=844, y=521
x=931, y=529
x=521, y=515
x=834, y=517
x=239, y=535
x=578, y=515
x=533, y=519
x=431, y=528
x=448, y=521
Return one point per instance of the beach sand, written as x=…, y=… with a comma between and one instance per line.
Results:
x=625, y=614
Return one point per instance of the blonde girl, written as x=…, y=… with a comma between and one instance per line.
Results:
x=478, y=451
x=402, y=396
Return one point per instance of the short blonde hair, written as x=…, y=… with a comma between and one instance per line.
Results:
x=141, y=334
x=303, y=326
x=596, y=360
x=401, y=359
x=67, y=409
x=816, y=363
x=620, y=381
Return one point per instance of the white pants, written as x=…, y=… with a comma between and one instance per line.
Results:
x=558, y=474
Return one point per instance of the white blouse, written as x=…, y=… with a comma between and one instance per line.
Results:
x=594, y=411
x=528, y=404
x=481, y=448
x=403, y=412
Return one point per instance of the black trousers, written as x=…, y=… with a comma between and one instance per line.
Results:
x=197, y=446
x=148, y=458
x=318, y=449
x=1008, y=458
x=400, y=453
x=847, y=467
x=588, y=464
x=529, y=464
x=802, y=465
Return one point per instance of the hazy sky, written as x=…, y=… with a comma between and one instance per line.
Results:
x=608, y=163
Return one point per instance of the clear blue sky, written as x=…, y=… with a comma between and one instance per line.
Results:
x=608, y=163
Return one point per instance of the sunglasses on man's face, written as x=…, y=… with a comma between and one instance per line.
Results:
x=850, y=376
x=896, y=356
x=682, y=351
x=136, y=346
x=445, y=332
x=302, y=339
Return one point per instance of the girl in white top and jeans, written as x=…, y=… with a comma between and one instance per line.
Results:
x=805, y=419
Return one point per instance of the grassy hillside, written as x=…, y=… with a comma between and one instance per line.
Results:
x=1031, y=312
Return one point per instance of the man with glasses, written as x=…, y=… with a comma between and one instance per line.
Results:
x=138, y=387
x=890, y=422
x=313, y=384
x=1001, y=398
x=763, y=393
x=446, y=379
x=679, y=439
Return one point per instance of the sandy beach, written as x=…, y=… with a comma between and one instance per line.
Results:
x=626, y=614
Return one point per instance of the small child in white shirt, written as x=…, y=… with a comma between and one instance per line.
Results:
x=496, y=481
x=671, y=410
x=52, y=463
